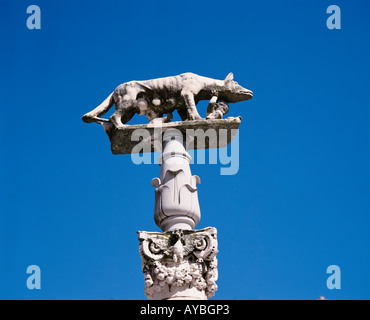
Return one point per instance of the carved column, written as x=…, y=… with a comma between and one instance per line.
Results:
x=179, y=263
x=176, y=193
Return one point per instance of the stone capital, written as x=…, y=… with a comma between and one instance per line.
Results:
x=179, y=264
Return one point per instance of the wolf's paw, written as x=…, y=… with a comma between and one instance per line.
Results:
x=192, y=116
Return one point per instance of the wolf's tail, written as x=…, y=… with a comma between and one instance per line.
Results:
x=94, y=115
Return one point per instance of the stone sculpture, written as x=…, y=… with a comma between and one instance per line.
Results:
x=157, y=97
x=180, y=262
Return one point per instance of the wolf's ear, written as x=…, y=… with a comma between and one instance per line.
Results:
x=229, y=77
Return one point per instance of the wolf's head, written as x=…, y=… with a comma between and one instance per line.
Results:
x=232, y=92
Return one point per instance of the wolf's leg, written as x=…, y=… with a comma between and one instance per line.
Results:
x=125, y=109
x=183, y=113
x=190, y=105
x=119, y=118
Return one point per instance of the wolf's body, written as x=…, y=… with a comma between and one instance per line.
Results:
x=164, y=95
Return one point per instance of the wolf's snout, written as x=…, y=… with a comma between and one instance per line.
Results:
x=246, y=93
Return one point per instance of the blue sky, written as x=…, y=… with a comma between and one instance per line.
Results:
x=300, y=201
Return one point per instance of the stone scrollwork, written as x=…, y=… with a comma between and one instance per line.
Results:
x=179, y=259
